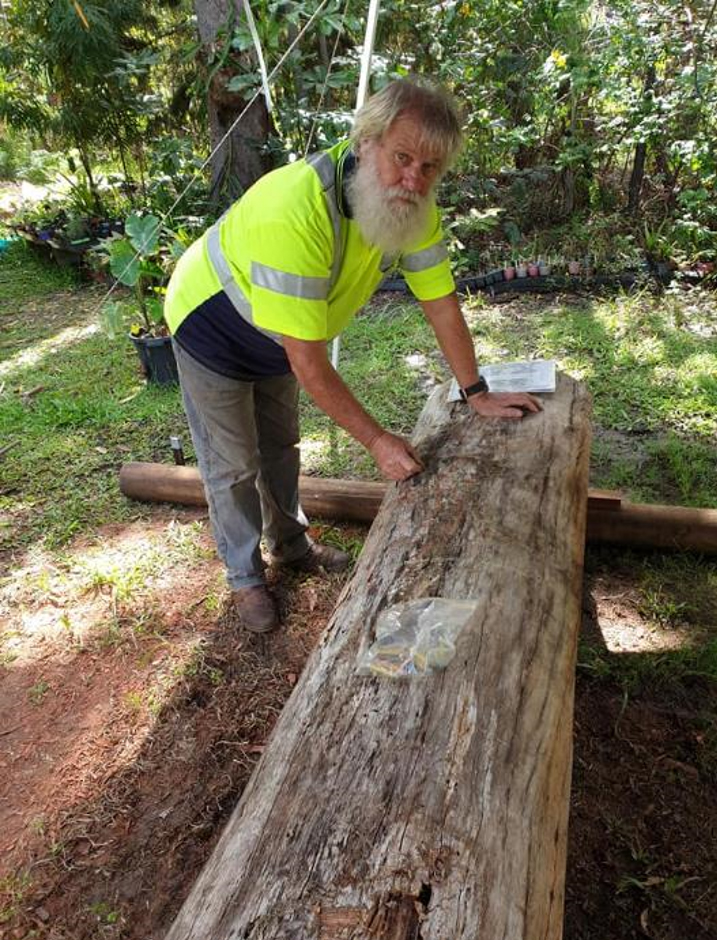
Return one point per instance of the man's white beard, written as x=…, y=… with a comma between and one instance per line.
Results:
x=390, y=226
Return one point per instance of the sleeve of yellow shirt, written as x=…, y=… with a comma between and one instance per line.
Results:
x=289, y=274
x=426, y=267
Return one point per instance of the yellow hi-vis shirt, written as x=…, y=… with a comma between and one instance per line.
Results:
x=278, y=242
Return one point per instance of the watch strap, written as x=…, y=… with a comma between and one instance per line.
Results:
x=480, y=386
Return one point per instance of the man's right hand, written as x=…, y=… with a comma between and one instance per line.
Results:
x=395, y=457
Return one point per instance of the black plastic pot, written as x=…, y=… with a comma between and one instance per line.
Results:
x=156, y=358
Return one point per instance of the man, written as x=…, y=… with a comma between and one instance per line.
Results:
x=253, y=303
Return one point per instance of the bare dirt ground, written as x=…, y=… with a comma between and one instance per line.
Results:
x=133, y=710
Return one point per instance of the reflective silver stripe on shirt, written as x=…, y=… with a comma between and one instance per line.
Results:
x=323, y=165
x=422, y=260
x=230, y=287
x=291, y=285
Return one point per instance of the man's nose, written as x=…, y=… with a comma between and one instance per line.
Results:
x=412, y=179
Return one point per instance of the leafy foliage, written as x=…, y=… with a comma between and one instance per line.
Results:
x=574, y=109
x=135, y=260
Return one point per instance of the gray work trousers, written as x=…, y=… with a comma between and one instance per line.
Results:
x=246, y=437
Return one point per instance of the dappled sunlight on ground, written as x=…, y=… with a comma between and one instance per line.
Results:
x=65, y=596
x=99, y=642
x=313, y=452
x=635, y=636
x=94, y=642
x=33, y=355
x=133, y=712
x=633, y=616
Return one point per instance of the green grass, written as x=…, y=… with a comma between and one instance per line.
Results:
x=655, y=672
x=90, y=412
x=24, y=273
x=676, y=598
x=650, y=363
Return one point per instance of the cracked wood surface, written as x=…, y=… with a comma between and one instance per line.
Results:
x=430, y=808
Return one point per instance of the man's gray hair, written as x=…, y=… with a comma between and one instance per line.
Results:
x=432, y=106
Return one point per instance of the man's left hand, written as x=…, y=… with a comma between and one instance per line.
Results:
x=510, y=406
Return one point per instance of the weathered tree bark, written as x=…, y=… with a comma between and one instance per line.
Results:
x=433, y=807
x=241, y=160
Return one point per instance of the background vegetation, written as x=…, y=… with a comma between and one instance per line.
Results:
x=593, y=119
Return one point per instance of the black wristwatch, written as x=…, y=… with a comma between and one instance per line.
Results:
x=480, y=386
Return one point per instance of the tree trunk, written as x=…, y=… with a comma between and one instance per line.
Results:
x=87, y=167
x=636, y=178
x=241, y=159
x=433, y=807
x=638, y=166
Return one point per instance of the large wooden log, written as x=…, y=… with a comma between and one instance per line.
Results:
x=610, y=518
x=431, y=808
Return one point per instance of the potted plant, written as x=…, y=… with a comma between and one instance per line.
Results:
x=532, y=263
x=135, y=261
x=544, y=267
x=574, y=264
x=521, y=268
x=508, y=270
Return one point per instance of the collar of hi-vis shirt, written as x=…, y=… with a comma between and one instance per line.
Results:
x=345, y=169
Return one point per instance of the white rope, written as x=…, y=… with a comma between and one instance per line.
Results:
x=364, y=76
x=367, y=52
x=221, y=143
x=259, y=55
x=326, y=80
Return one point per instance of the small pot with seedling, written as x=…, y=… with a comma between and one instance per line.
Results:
x=533, y=255
x=508, y=270
x=521, y=269
x=544, y=267
x=135, y=261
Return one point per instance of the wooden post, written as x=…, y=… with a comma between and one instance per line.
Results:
x=433, y=807
x=611, y=519
x=349, y=500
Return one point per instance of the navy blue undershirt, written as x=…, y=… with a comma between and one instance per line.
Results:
x=216, y=335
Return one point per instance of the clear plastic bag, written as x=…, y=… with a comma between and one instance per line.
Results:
x=416, y=638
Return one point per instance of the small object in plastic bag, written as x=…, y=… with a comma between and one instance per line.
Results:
x=416, y=638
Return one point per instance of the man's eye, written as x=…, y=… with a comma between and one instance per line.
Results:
x=402, y=159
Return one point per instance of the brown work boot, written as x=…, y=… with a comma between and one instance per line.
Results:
x=321, y=558
x=256, y=608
